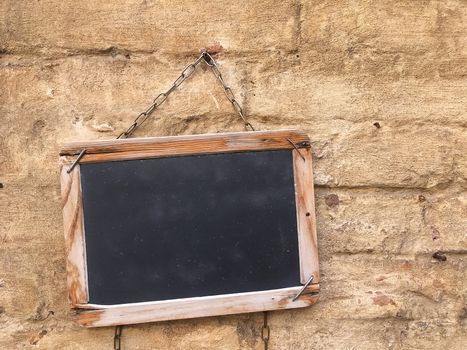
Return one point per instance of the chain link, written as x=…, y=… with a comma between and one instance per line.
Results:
x=228, y=91
x=186, y=73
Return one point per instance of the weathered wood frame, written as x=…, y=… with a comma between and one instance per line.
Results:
x=93, y=315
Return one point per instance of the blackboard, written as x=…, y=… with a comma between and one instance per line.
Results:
x=170, y=228
x=189, y=226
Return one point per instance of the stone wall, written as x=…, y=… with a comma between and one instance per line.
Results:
x=381, y=88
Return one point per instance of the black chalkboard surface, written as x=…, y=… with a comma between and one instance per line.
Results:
x=189, y=226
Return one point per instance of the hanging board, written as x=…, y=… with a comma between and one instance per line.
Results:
x=189, y=226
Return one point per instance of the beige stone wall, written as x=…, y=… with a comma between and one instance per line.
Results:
x=381, y=88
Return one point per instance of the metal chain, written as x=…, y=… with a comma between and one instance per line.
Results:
x=228, y=91
x=265, y=331
x=186, y=73
x=160, y=99
x=118, y=338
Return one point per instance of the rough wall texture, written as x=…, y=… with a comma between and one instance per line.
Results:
x=381, y=88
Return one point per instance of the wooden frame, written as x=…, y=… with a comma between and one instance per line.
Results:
x=93, y=315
